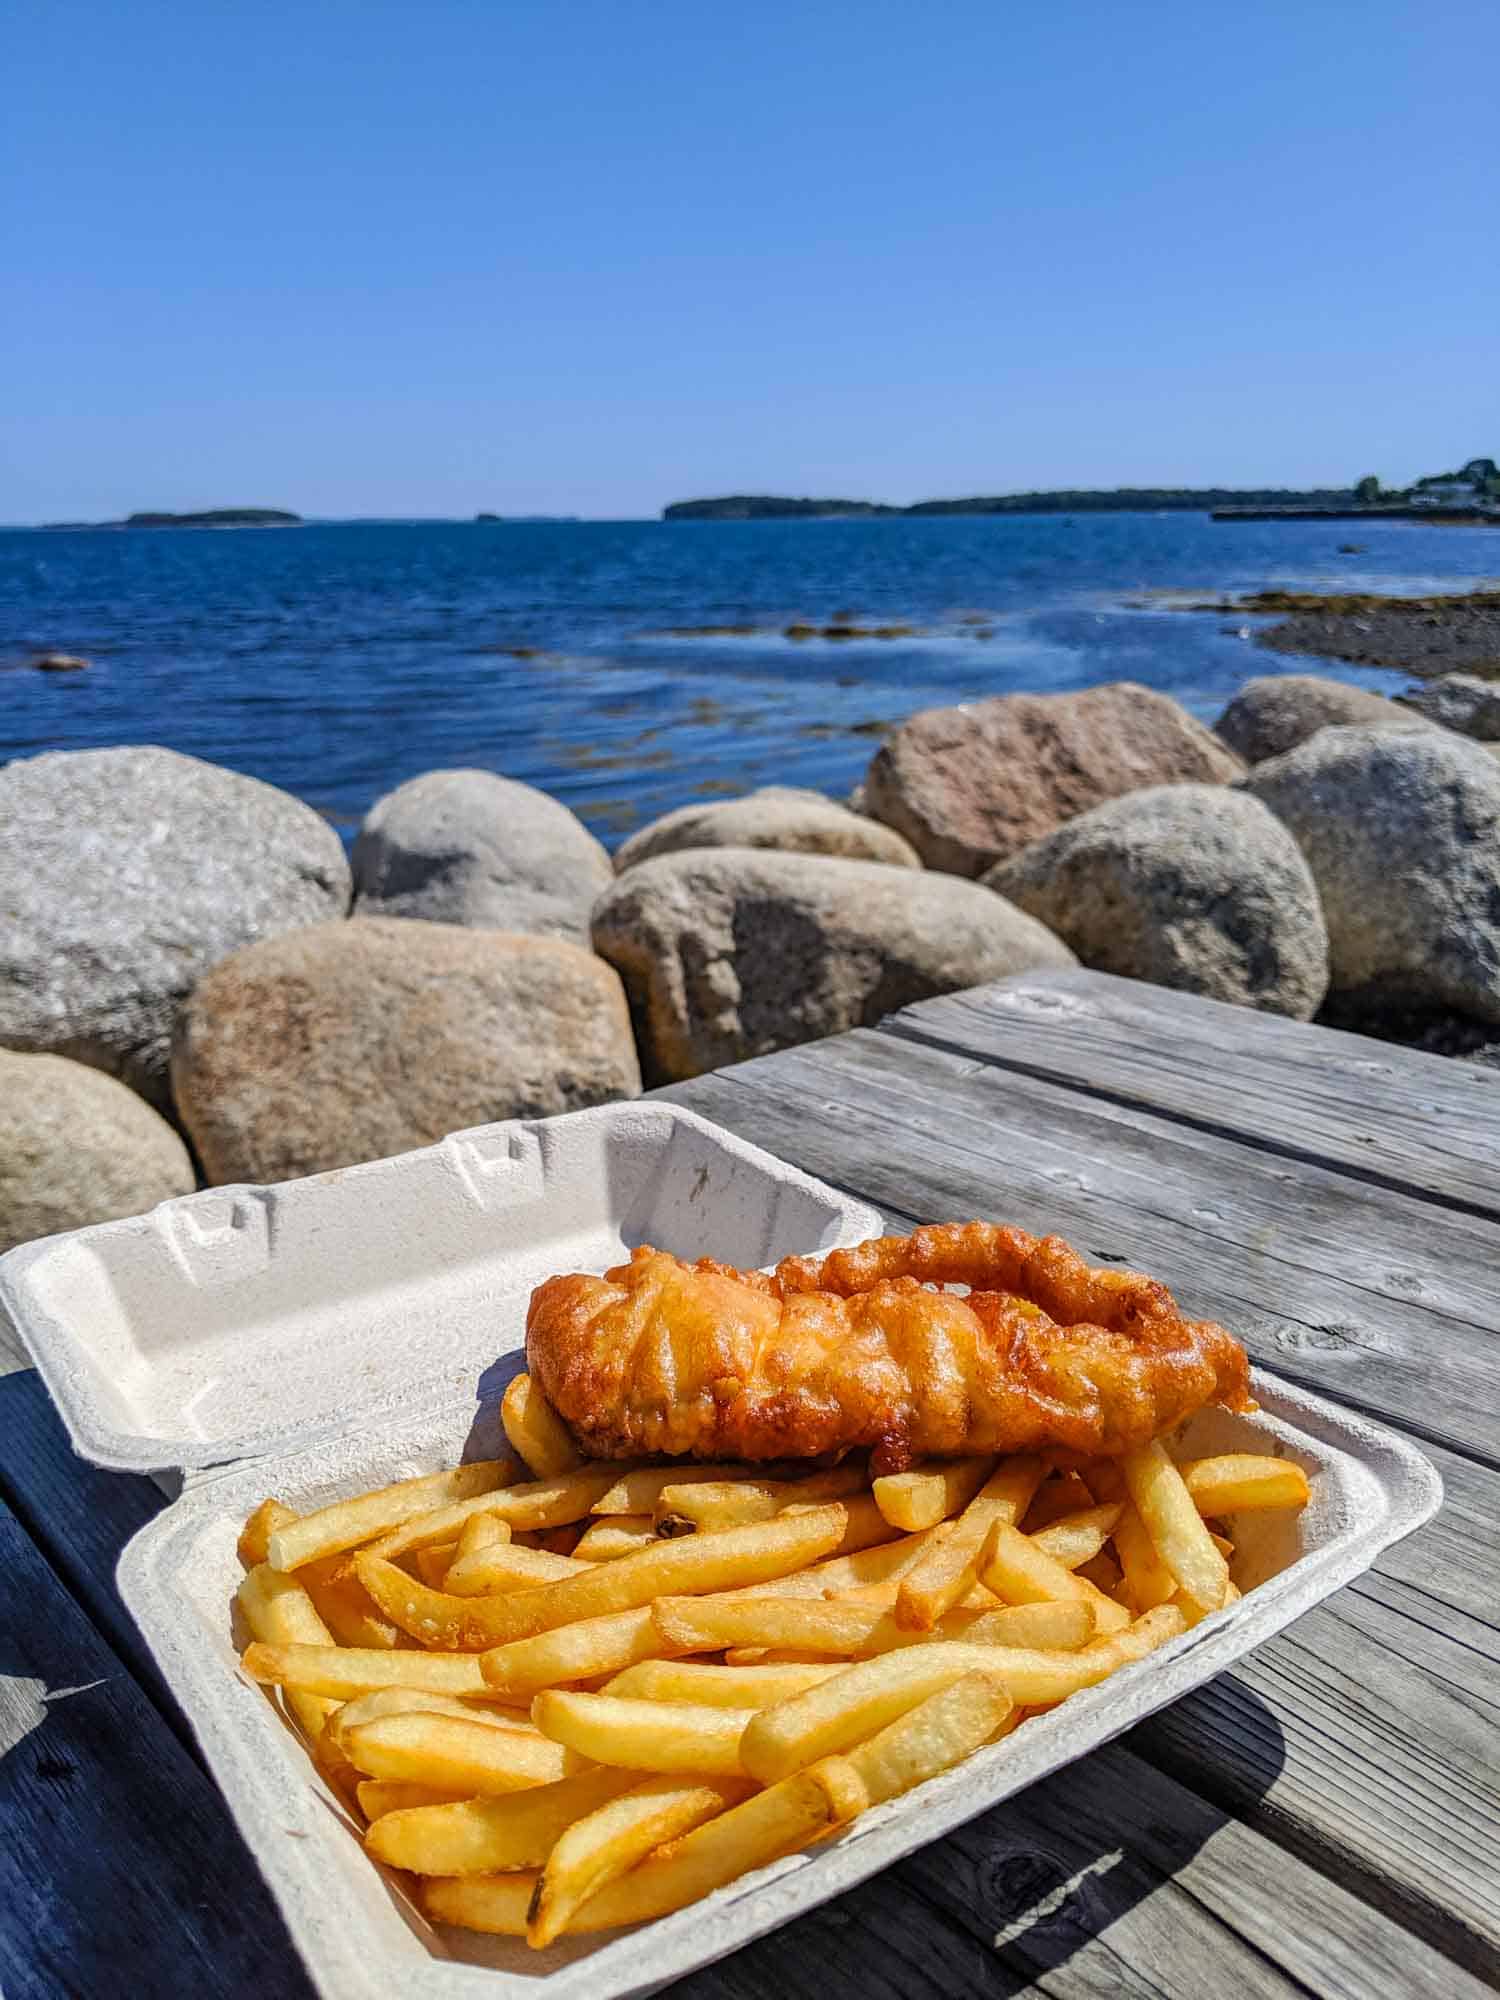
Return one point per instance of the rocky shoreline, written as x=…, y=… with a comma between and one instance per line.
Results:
x=1451, y=632
x=198, y=985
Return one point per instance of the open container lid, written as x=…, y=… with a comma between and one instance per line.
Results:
x=242, y=1321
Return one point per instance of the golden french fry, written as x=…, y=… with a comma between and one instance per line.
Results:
x=854, y=1704
x=947, y=1572
x=344, y=1604
x=577, y=1652
x=1147, y=1580
x=696, y=1563
x=1011, y=1565
x=1075, y=1539
x=452, y=1755
x=1104, y=1573
x=1175, y=1526
x=613, y=1535
x=1222, y=1543
x=345, y=1672
x=1238, y=1482
x=729, y=1503
x=1194, y=1614
x=866, y=1567
x=929, y=1738
x=643, y=1735
x=867, y=1526
x=407, y=1701
x=637, y=1491
x=767, y=1825
x=480, y=1531
x=484, y=1835
x=431, y=1564
x=328, y=1530
x=437, y=1525
x=929, y=1493
x=379, y=1796
x=1059, y=1495
x=717, y=1687
x=508, y=1566
x=613, y=1838
x=1052, y=1628
x=804, y=1624
x=256, y=1534
x=279, y=1611
x=538, y=1435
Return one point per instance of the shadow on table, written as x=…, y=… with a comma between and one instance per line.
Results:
x=1000, y=1903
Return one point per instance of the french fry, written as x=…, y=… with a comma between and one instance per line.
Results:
x=638, y=1490
x=852, y=1705
x=379, y=1796
x=1193, y=1613
x=1075, y=1539
x=480, y=1531
x=838, y=1574
x=577, y=1652
x=344, y=1604
x=717, y=1687
x=1061, y=1494
x=643, y=1735
x=1239, y=1483
x=949, y=1726
x=767, y=1825
x=929, y=1493
x=345, y=1672
x=431, y=1564
x=455, y=1756
x=613, y=1535
x=1222, y=1543
x=1011, y=1565
x=1175, y=1526
x=485, y=1835
x=804, y=1624
x=729, y=1503
x=256, y=1534
x=438, y=1524
x=695, y=1563
x=538, y=1435
x=612, y=1839
x=279, y=1611
x=1053, y=1628
x=1104, y=1573
x=866, y=1526
x=1147, y=1580
x=407, y=1701
x=507, y=1566
x=947, y=1572
x=328, y=1530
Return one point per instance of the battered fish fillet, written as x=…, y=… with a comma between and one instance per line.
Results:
x=863, y=1349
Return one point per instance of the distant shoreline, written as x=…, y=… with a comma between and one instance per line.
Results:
x=216, y=517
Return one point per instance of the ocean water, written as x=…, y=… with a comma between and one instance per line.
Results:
x=338, y=659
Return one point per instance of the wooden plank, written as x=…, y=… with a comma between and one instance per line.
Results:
x=1348, y=1289
x=80, y=1517
x=119, y=1868
x=1384, y=1113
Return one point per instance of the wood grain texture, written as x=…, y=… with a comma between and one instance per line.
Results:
x=120, y=1870
x=1348, y=1289
x=1412, y=1120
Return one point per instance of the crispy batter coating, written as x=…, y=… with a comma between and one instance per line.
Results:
x=864, y=1349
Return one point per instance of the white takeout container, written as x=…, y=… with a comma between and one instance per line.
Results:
x=359, y=1327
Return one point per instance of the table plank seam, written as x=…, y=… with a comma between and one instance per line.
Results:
x=899, y=1029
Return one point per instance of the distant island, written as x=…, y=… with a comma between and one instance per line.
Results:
x=1473, y=492
x=216, y=517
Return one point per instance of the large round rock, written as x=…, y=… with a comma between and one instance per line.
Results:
x=354, y=1041
x=971, y=786
x=126, y=874
x=779, y=816
x=1402, y=834
x=1459, y=701
x=1192, y=886
x=731, y=952
x=1276, y=712
x=468, y=847
x=77, y=1147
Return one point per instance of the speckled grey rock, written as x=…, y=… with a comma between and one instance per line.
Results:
x=78, y=1147
x=1459, y=701
x=468, y=847
x=1276, y=712
x=778, y=816
x=1191, y=886
x=1402, y=833
x=732, y=952
x=972, y=785
x=354, y=1041
x=124, y=875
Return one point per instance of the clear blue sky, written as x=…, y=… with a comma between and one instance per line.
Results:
x=587, y=256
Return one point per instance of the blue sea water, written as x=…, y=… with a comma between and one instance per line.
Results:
x=338, y=659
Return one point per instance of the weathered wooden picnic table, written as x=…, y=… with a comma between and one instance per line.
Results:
x=1325, y=1819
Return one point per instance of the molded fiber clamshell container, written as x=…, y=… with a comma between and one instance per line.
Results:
x=359, y=1328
